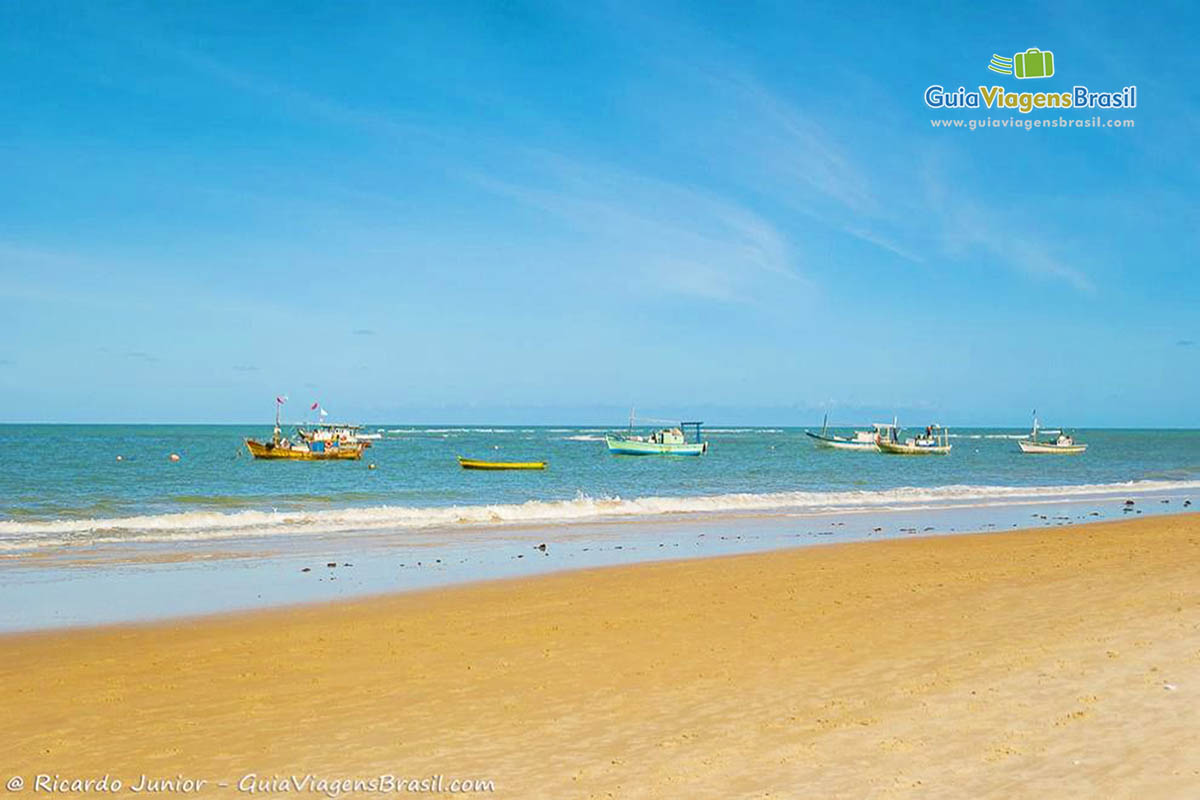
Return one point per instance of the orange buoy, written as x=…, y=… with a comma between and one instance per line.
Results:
x=174, y=456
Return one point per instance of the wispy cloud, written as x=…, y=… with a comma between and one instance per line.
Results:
x=791, y=146
x=245, y=368
x=138, y=355
x=311, y=104
x=762, y=139
x=807, y=164
x=1186, y=343
x=675, y=237
x=964, y=227
x=363, y=332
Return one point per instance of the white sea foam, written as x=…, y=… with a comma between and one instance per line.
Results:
x=207, y=525
x=583, y=438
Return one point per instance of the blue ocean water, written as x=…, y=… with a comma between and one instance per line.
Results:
x=64, y=484
x=86, y=538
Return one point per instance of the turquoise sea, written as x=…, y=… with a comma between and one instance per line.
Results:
x=217, y=529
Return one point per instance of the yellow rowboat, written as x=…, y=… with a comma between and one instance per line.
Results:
x=303, y=452
x=471, y=463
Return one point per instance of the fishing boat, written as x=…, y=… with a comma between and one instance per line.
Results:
x=284, y=449
x=861, y=440
x=1063, y=444
x=663, y=442
x=280, y=448
x=473, y=463
x=933, y=442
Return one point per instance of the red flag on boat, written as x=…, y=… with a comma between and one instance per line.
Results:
x=314, y=406
x=281, y=400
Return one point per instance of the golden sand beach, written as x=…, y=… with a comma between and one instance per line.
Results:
x=1051, y=663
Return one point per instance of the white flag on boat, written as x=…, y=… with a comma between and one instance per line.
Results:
x=324, y=413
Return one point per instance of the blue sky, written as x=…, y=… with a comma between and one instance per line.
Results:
x=546, y=213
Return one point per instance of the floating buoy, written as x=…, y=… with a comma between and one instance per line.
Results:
x=173, y=457
x=120, y=458
x=370, y=466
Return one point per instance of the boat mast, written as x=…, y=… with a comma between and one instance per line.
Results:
x=278, y=405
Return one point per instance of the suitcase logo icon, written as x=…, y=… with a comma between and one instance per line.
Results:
x=1033, y=63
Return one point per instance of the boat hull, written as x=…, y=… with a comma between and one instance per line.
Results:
x=1046, y=448
x=904, y=449
x=629, y=447
x=269, y=452
x=471, y=463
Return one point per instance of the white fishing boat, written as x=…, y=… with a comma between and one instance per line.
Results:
x=663, y=442
x=335, y=433
x=862, y=441
x=1063, y=443
x=935, y=441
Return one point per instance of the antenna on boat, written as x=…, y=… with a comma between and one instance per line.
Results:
x=825, y=423
x=631, y=410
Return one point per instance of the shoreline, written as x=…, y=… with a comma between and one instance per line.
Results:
x=138, y=581
x=1056, y=662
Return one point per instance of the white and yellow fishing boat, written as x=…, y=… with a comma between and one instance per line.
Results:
x=1064, y=444
x=935, y=441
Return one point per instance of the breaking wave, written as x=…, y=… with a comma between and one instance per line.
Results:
x=210, y=525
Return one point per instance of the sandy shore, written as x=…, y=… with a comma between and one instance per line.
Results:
x=1048, y=663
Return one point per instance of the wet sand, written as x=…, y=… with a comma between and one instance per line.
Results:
x=1057, y=662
